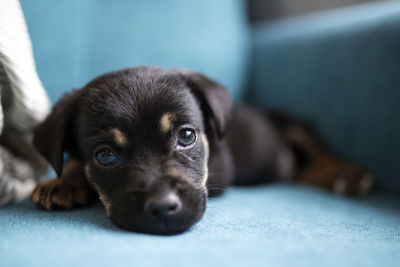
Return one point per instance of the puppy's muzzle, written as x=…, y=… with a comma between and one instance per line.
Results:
x=163, y=201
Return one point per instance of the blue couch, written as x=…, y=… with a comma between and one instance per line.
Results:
x=338, y=69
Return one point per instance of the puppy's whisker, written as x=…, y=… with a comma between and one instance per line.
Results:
x=223, y=188
x=214, y=173
x=216, y=186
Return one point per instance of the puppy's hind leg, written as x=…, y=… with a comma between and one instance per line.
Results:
x=317, y=165
x=66, y=192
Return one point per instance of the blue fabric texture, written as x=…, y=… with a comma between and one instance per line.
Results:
x=275, y=225
x=74, y=41
x=341, y=71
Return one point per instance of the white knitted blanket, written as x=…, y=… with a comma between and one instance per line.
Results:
x=25, y=102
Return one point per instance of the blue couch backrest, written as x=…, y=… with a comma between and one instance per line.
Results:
x=75, y=40
x=340, y=70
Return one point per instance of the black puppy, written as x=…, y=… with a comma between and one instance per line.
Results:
x=155, y=143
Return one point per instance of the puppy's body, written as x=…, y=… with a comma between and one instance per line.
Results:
x=154, y=143
x=252, y=152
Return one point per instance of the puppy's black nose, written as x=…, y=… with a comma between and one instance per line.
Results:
x=164, y=205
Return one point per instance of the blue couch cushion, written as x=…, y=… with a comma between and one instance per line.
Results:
x=74, y=41
x=341, y=70
x=273, y=225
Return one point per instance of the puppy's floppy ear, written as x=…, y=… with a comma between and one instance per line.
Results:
x=215, y=101
x=55, y=135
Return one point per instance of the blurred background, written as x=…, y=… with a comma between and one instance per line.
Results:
x=74, y=41
x=334, y=63
x=267, y=10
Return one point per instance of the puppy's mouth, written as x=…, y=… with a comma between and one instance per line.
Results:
x=157, y=227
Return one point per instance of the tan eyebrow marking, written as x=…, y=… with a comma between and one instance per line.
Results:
x=173, y=171
x=119, y=137
x=166, y=122
x=87, y=171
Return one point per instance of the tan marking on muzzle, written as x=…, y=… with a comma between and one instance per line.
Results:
x=166, y=122
x=103, y=198
x=119, y=137
x=87, y=171
x=206, y=156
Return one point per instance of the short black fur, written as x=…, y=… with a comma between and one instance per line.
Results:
x=135, y=115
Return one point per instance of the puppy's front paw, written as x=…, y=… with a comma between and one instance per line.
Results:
x=56, y=194
x=353, y=181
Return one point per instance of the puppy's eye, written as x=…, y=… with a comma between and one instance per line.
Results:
x=186, y=137
x=104, y=156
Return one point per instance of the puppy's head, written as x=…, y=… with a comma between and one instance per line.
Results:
x=143, y=136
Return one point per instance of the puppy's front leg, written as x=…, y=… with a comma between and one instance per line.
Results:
x=66, y=192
